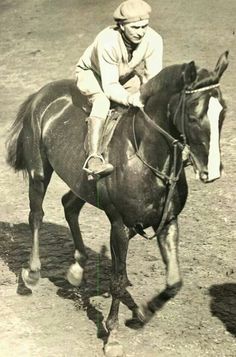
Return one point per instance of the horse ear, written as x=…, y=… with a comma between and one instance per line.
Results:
x=190, y=73
x=221, y=64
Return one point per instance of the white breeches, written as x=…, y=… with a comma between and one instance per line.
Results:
x=89, y=85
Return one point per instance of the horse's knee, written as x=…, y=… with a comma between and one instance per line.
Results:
x=118, y=285
x=36, y=218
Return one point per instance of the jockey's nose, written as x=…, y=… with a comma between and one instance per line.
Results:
x=141, y=32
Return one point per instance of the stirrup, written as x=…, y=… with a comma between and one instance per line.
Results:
x=92, y=174
x=87, y=160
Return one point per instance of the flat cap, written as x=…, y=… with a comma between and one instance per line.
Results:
x=132, y=11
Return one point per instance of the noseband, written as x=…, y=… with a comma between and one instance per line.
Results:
x=171, y=180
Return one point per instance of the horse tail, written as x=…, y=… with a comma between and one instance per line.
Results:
x=14, y=144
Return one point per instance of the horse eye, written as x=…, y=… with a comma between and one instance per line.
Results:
x=192, y=119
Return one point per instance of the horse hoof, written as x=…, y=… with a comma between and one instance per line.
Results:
x=30, y=278
x=138, y=320
x=114, y=349
x=75, y=274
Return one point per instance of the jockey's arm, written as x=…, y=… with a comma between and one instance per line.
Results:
x=154, y=60
x=109, y=73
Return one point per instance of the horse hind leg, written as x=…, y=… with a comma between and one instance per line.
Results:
x=72, y=207
x=37, y=188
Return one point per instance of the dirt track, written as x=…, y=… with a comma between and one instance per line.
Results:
x=41, y=41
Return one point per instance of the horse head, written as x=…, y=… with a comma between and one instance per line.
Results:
x=198, y=112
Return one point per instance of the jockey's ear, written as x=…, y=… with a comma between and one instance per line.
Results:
x=189, y=73
x=221, y=64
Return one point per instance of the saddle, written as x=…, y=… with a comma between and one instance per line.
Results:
x=112, y=120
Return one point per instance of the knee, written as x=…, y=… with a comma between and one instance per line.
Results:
x=100, y=105
x=101, y=100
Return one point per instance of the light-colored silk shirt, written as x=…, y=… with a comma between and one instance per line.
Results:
x=108, y=57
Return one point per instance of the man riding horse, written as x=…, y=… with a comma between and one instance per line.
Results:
x=105, y=72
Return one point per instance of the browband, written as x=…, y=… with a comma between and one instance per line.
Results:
x=190, y=91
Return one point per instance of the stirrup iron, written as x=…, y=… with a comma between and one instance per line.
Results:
x=90, y=172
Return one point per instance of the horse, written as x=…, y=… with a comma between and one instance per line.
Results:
x=183, y=112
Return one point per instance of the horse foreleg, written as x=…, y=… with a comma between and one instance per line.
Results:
x=119, y=242
x=37, y=190
x=72, y=207
x=168, y=244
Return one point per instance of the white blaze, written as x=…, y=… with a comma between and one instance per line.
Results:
x=213, y=113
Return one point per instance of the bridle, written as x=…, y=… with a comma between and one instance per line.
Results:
x=172, y=179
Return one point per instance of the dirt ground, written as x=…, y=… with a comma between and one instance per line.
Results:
x=40, y=41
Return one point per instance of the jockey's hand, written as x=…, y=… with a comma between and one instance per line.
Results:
x=135, y=101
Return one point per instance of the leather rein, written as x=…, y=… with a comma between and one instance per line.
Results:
x=172, y=179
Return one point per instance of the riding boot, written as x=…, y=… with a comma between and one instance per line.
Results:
x=95, y=164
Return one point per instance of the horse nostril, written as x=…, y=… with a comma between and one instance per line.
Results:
x=204, y=176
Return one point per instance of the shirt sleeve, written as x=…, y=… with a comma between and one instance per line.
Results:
x=154, y=60
x=109, y=72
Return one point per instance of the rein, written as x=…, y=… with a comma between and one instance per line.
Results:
x=174, y=177
x=168, y=180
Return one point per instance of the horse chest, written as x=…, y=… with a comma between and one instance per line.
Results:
x=138, y=195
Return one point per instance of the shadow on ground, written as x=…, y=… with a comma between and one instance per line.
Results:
x=56, y=253
x=223, y=305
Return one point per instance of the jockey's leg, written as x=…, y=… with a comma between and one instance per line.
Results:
x=95, y=163
x=89, y=84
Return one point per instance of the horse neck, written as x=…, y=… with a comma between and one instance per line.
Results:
x=165, y=84
x=157, y=93
x=151, y=144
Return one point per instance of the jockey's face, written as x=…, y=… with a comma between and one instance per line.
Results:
x=135, y=31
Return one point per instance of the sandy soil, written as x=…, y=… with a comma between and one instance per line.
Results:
x=41, y=41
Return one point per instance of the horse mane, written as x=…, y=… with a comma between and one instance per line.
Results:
x=170, y=81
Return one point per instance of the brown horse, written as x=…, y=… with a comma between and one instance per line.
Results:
x=183, y=109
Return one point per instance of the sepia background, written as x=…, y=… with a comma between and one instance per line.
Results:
x=41, y=41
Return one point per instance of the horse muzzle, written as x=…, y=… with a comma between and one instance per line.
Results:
x=204, y=176
x=205, y=173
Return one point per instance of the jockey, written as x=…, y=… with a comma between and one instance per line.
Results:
x=106, y=71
